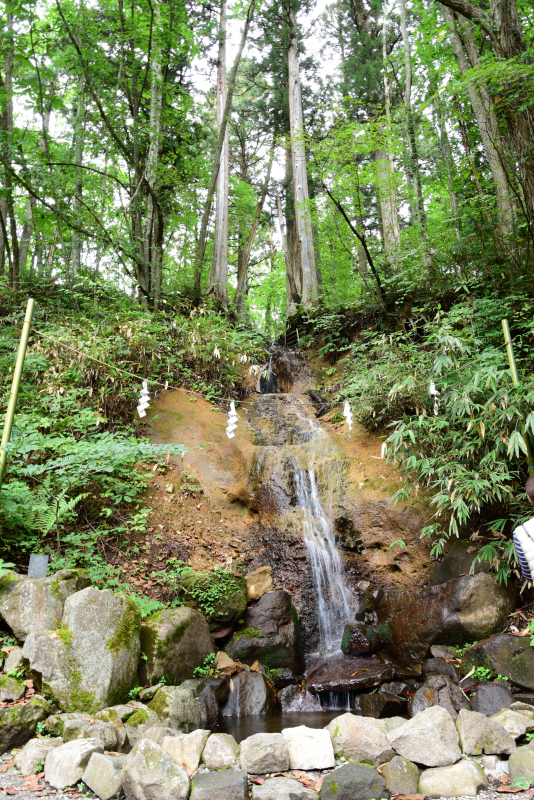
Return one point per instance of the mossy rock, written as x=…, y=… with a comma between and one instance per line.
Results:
x=18, y=723
x=506, y=655
x=222, y=598
x=175, y=642
x=11, y=689
x=177, y=708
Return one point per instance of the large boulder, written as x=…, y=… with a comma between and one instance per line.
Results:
x=360, y=639
x=506, y=655
x=175, y=642
x=478, y=734
x=221, y=751
x=459, y=611
x=360, y=739
x=177, y=708
x=401, y=776
x=438, y=690
x=263, y=753
x=91, y=661
x=490, y=698
x=354, y=782
x=458, y=561
x=65, y=765
x=249, y=694
x=464, y=779
x=283, y=789
x=270, y=634
x=34, y=753
x=103, y=775
x=227, y=607
x=18, y=723
x=35, y=605
x=149, y=773
x=227, y=785
x=309, y=748
x=430, y=738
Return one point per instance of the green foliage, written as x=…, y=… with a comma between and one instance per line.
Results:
x=41, y=731
x=16, y=673
x=146, y=606
x=249, y=633
x=482, y=674
x=461, y=650
x=208, y=589
x=5, y=567
x=133, y=694
x=521, y=783
x=207, y=667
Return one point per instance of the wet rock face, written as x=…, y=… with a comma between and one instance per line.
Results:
x=292, y=371
x=342, y=674
x=249, y=695
x=360, y=639
x=457, y=612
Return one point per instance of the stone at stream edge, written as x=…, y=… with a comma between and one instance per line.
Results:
x=221, y=751
x=438, y=690
x=490, y=698
x=504, y=654
x=91, y=661
x=297, y=698
x=360, y=639
x=263, y=753
x=360, y=739
x=186, y=748
x=35, y=605
x=175, y=642
x=270, y=634
x=401, y=776
x=309, y=748
x=283, y=789
x=178, y=708
x=149, y=773
x=343, y=673
x=249, y=695
x=430, y=739
x=225, y=785
x=462, y=610
x=464, y=779
x=18, y=723
x=354, y=782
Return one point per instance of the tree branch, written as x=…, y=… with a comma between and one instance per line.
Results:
x=470, y=11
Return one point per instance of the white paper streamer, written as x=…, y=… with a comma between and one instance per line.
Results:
x=433, y=392
x=143, y=400
x=347, y=413
x=232, y=419
x=384, y=450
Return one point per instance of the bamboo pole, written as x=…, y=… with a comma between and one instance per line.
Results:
x=515, y=380
x=17, y=374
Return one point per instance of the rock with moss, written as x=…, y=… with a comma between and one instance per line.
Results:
x=35, y=605
x=11, y=689
x=482, y=735
x=149, y=773
x=354, y=782
x=221, y=597
x=360, y=739
x=19, y=723
x=507, y=655
x=177, y=708
x=91, y=661
x=270, y=634
x=175, y=641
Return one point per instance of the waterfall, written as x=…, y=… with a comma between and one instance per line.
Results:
x=335, y=601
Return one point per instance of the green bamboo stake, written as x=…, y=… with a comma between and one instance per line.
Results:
x=17, y=374
x=515, y=380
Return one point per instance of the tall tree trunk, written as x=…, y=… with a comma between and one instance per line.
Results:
x=26, y=237
x=201, y=247
x=7, y=125
x=79, y=135
x=300, y=177
x=503, y=27
x=446, y=154
x=464, y=48
x=219, y=269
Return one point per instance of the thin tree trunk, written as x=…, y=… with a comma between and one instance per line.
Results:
x=79, y=135
x=485, y=116
x=26, y=237
x=201, y=248
x=446, y=154
x=8, y=127
x=219, y=270
x=300, y=176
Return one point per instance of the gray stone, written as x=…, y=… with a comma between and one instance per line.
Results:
x=103, y=774
x=438, y=690
x=142, y=718
x=515, y=723
x=221, y=751
x=149, y=773
x=122, y=712
x=430, y=738
x=480, y=734
x=249, y=694
x=147, y=694
x=522, y=763
x=457, y=562
x=259, y=582
x=175, y=641
x=79, y=726
x=91, y=661
x=354, y=782
x=297, y=698
x=34, y=753
x=438, y=666
x=504, y=654
x=381, y=704
x=133, y=737
x=360, y=739
x=523, y=708
x=35, y=605
x=157, y=733
x=494, y=766
x=177, y=708
x=226, y=785
x=65, y=765
x=464, y=779
x=263, y=753
x=14, y=659
x=490, y=698
x=283, y=789
x=186, y=748
x=309, y=748
x=401, y=776
x=18, y=723
x=11, y=689
x=393, y=722
x=360, y=639
x=207, y=698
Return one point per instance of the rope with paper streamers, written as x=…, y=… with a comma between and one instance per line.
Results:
x=347, y=413
x=232, y=420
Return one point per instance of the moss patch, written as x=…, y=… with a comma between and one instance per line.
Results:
x=66, y=637
x=384, y=631
x=128, y=629
x=249, y=633
x=139, y=717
